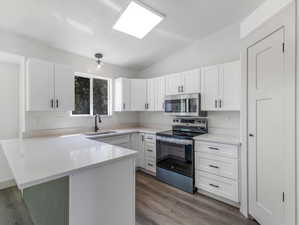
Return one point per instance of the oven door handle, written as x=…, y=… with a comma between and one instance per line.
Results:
x=174, y=141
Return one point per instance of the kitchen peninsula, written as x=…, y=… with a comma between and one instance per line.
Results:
x=72, y=180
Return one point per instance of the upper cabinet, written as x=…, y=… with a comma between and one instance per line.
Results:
x=138, y=94
x=49, y=87
x=191, y=81
x=183, y=83
x=174, y=83
x=220, y=87
x=159, y=93
x=151, y=95
x=122, y=95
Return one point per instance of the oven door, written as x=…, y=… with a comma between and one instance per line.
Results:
x=175, y=155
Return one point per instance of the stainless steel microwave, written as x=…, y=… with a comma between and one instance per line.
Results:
x=184, y=105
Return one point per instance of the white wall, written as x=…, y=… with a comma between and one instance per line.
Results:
x=9, y=100
x=220, y=47
x=264, y=12
x=23, y=46
x=9, y=117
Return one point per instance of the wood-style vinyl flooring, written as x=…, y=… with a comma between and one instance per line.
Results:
x=160, y=204
x=156, y=204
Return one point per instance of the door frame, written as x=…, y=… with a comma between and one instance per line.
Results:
x=285, y=18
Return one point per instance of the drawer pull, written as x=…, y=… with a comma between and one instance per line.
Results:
x=212, y=148
x=149, y=150
x=216, y=167
x=150, y=164
x=213, y=185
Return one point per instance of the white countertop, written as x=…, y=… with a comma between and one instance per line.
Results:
x=127, y=131
x=216, y=138
x=38, y=160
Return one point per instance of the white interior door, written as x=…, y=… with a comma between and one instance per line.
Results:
x=138, y=94
x=268, y=138
x=40, y=85
x=64, y=89
x=210, y=88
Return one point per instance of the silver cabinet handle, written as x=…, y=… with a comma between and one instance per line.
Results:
x=57, y=103
x=220, y=103
x=182, y=88
x=213, y=148
x=150, y=164
x=213, y=185
x=251, y=135
x=52, y=103
x=212, y=166
x=124, y=106
x=149, y=150
x=216, y=104
x=179, y=88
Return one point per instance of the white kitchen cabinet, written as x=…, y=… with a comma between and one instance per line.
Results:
x=183, y=83
x=230, y=86
x=64, y=88
x=173, y=84
x=159, y=93
x=217, y=169
x=220, y=87
x=210, y=88
x=122, y=94
x=50, y=87
x=191, y=82
x=40, y=85
x=151, y=95
x=138, y=94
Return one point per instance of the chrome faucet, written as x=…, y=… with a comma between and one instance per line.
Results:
x=97, y=119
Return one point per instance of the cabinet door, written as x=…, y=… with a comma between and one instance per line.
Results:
x=122, y=94
x=230, y=86
x=210, y=88
x=151, y=93
x=138, y=94
x=64, y=88
x=174, y=83
x=191, y=81
x=160, y=93
x=40, y=85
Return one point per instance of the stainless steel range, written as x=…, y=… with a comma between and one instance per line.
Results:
x=175, y=152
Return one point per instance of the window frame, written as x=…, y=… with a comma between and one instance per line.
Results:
x=91, y=77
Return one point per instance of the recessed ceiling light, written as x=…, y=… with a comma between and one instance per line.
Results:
x=138, y=20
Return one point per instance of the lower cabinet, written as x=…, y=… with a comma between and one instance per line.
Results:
x=144, y=143
x=217, y=169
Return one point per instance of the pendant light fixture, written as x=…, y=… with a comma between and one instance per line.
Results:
x=99, y=57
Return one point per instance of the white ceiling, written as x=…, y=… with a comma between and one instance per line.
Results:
x=85, y=26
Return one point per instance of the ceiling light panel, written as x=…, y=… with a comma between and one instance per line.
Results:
x=137, y=20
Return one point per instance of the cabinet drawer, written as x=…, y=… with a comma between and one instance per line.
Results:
x=216, y=185
x=150, y=150
x=150, y=138
x=221, y=150
x=224, y=167
x=150, y=165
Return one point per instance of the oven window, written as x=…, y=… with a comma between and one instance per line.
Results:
x=175, y=106
x=175, y=157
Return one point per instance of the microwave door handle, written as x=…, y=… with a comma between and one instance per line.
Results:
x=187, y=105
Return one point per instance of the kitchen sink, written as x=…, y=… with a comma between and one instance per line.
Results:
x=100, y=133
